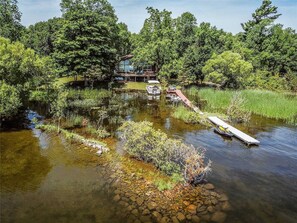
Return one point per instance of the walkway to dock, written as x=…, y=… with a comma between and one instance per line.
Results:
x=185, y=100
x=215, y=120
x=237, y=133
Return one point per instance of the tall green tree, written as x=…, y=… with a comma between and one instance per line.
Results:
x=18, y=65
x=185, y=29
x=9, y=101
x=42, y=35
x=208, y=40
x=155, y=43
x=10, y=20
x=124, y=44
x=266, y=13
x=227, y=69
x=87, y=37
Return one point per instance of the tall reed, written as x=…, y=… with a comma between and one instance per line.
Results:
x=266, y=103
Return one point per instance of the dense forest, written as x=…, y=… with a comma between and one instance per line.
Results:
x=88, y=41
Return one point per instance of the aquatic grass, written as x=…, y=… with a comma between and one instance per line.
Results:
x=185, y=115
x=98, y=133
x=73, y=137
x=163, y=184
x=191, y=117
x=261, y=102
x=74, y=121
x=95, y=94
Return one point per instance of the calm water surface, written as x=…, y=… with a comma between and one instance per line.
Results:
x=44, y=179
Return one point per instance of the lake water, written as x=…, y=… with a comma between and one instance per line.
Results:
x=45, y=179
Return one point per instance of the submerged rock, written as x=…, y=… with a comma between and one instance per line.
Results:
x=195, y=219
x=192, y=208
x=218, y=217
x=209, y=186
x=223, y=197
x=117, y=197
x=181, y=217
x=152, y=206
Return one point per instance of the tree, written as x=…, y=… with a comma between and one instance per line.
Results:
x=87, y=37
x=208, y=40
x=95, y=73
x=155, y=43
x=42, y=35
x=19, y=65
x=266, y=13
x=59, y=106
x=10, y=20
x=9, y=101
x=185, y=28
x=124, y=44
x=227, y=69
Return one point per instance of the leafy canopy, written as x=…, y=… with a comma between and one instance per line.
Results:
x=227, y=69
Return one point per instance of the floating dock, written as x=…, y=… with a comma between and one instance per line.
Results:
x=237, y=133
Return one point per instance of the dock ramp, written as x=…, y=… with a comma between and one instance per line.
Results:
x=237, y=133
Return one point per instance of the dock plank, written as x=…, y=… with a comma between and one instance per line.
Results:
x=239, y=134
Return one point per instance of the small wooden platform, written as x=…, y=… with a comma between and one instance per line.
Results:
x=237, y=133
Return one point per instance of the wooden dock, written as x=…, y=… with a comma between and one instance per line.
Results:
x=237, y=133
x=185, y=100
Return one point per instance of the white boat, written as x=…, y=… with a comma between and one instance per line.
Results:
x=153, y=88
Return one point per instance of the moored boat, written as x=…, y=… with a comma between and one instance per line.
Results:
x=153, y=88
x=223, y=131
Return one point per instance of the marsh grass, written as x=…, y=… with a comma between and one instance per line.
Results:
x=94, y=94
x=265, y=103
x=73, y=121
x=185, y=115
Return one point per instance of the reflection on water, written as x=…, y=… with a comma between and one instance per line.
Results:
x=44, y=179
x=23, y=168
x=53, y=183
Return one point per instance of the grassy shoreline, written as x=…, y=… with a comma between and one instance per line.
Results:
x=268, y=104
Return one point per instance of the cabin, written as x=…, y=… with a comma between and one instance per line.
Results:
x=126, y=71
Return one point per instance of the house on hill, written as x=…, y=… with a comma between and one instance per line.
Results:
x=126, y=71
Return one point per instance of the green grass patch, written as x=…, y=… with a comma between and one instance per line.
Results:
x=65, y=80
x=265, y=103
x=135, y=86
x=186, y=115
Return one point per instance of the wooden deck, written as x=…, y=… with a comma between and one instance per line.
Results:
x=237, y=133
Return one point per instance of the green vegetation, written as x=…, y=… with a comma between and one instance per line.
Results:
x=10, y=20
x=181, y=112
x=135, y=86
x=227, y=69
x=9, y=101
x=266, y=103
x=73, y=137
x=171, y=156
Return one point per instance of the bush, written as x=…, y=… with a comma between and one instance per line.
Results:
x=235, y=112
x=171, y=156
x=10, y=101
x=98, y=133
x=74, y=121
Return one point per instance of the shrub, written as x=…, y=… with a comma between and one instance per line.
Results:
x=235, y=112
x=10, y=101
x=169, y=155
x=99, y=133
x=163, y=185
x=74, y=121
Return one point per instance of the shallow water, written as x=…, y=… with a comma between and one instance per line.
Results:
x=44, y=179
